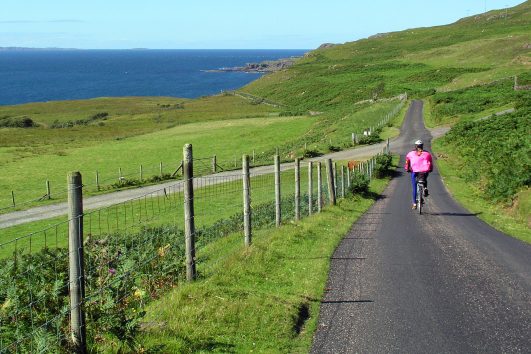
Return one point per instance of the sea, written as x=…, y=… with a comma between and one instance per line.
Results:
x=49, y=75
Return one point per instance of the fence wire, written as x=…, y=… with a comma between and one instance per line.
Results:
x=134, y=251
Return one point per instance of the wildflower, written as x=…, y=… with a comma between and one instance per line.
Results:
x=112, y=271
x=139, y=293
x=162, y=250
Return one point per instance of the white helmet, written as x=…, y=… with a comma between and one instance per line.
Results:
x=419, y=144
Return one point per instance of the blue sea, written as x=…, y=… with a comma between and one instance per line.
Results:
x=47, y=75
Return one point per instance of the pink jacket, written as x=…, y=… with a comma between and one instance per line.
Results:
x=416, y=163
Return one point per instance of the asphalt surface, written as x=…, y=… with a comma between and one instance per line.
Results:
x=441, y=282
x=105, y=200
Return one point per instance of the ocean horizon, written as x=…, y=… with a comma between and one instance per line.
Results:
x=41, y=75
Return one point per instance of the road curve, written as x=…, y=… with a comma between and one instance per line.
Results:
x=442, y=282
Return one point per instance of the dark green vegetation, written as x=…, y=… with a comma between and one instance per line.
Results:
x=487, y=163
x=472, y=103
x=496, y=152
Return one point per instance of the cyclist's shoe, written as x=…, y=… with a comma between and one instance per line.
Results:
x=426, y=192
x=414, y=206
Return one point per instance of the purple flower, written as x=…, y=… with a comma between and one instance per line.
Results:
x=112, y=271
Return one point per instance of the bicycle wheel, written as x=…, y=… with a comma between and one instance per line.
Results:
x=420, y=198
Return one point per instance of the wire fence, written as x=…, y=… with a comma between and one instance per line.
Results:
x=84, y=283
x=127, y=176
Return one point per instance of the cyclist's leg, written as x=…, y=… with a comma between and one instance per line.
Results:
x=414, y=186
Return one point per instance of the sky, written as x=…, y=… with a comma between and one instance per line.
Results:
x=219, y=24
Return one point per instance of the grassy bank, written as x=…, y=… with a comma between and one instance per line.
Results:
x=512, y=219
x=485, y=164
x=265, y=298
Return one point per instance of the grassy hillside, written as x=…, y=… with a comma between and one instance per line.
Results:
x=473, y=50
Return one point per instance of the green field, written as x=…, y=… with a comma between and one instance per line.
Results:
x=131, y=136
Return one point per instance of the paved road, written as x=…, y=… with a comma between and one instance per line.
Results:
x=101, y=201
x=443, y=282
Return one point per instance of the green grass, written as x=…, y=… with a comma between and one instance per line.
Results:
x=255, y=299
x=513, y=220
x=228, y=139
x=473, y=50
x=212, y=204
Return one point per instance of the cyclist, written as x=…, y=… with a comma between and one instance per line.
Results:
x=419, y=163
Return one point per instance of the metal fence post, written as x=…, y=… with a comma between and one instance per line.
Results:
x=278, y=210
x=319, y=188
x=310, y=187
x=48, y=193
x=246, y=200
x=189, y=222
x=214, y=163
x=76, y=262
x=331, y=182
x=13, y=198
x=141, y=174
x=160, y=168
x=297, y=189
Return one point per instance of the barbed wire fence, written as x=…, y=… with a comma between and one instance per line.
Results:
x=84, y=282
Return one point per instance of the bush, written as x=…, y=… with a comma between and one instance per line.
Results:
x=312, y=153
x=359, y=183
x=369, y=139
x=17, y=122
x=334, y=148
x=383, y=165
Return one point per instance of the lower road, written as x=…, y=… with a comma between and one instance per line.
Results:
x=105, y=200
x=441, y=282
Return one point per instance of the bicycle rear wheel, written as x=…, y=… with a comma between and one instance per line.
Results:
x=420, y=198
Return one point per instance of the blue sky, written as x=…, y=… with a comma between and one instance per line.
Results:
x=238, y=24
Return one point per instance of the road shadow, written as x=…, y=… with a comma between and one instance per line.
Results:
x=347, y=302
x=452, y=214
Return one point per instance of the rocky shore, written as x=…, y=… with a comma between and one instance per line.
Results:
x=262, y=67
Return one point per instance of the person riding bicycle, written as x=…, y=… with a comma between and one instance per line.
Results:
x=419, y=162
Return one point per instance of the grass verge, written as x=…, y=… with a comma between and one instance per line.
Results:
x=263, y=298
x=512, y=221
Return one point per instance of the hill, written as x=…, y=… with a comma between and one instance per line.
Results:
x=473, y=50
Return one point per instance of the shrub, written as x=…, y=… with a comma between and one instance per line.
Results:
x=359, y=183
x=383, y=165
x=312, y=153
x=17, y=122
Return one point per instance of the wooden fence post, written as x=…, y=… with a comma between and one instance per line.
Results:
x=97, y=181
x=278, y=211
x=48, y=193
x=141, y=174
x=189, y=222
x=297, y=189
x=13, y=198
x=319, y=188
x=331, y=182
x=246, y=200
x=76, y=262
x=160, y=169
x=214, y=163
x=310, y=188
x=342, y=181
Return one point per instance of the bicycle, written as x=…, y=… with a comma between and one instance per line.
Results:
x=421, y=186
